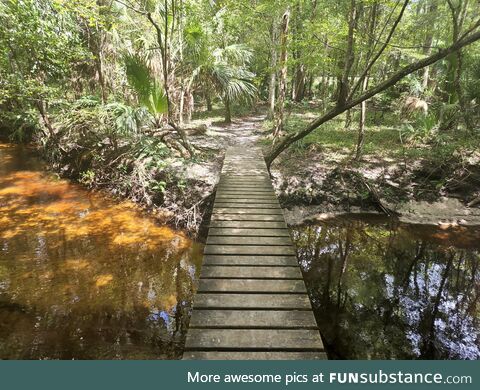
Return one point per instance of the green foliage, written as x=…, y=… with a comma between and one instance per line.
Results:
x=149, y=90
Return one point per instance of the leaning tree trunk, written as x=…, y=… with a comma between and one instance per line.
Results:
x=286, y=141
x=282, y=82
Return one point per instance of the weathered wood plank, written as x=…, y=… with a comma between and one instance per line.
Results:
x=210, y=271
x=252, y=286
x=252, y=301
x=254, y=339
x=247, y=217
x=254, y=190
x=232, y=260
x=248, y=211
x=220, y=200
x=221, y=204
x=256, y=187
x=252, y=319
x=245, y=180
x=248, y=250
x=247, y=224
x=242, y=355
x=248, y=232
x=250, y=240
x=245, y=197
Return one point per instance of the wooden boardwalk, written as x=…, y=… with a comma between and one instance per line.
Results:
x=251, y=301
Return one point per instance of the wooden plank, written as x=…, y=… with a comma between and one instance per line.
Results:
x=246, y=190
x=252, y=286
x=252, y=301
x=248, y=250
x=253, y=319
x=212, y=271
x=246, y=197
x=248, y=232
x=232, y=260
x=247, y=217
x=257, y=187
x=254, y=339
x=220, y=200
x=247, y=211
x=243, y=355
x=249, y=224
x=249, y=240
x=245, y=180
x=222, y=204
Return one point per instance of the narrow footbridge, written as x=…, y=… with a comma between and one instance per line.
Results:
x=251, y=301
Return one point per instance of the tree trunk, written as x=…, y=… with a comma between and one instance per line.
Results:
x=299, y=85
x=343, y=79
x=101, y=77
x=282, y=82
x=228, y=111
x=273, y=71
x=431, y=9
x=208, y=100
x=190, y=106
x=348, y=119
x=361, y=127
x=181, y=104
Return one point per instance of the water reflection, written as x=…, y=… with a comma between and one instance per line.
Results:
x=84, y=277
x=382, y=290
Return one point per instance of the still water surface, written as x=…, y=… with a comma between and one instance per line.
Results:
x=384, y=290
x=83, y=276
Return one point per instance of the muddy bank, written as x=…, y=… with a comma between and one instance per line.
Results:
x=316, y=187
x=175, y=189
x=445, y=213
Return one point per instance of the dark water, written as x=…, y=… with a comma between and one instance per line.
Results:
x=383, y=290
x=83, y=276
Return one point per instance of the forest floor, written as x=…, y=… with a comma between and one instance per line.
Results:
x=422, y=181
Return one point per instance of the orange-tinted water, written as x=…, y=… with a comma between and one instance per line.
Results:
x=83, y=276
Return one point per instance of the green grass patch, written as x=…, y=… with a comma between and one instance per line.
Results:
x=417, y=140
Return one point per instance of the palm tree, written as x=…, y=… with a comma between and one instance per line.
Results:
x=230, y=76
x=222, y=70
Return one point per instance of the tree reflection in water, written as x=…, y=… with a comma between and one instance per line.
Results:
x=384, y=290
x=83, y=276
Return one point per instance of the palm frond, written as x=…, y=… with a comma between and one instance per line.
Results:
x=138, y=76
x=150, y=92
x=157, y=100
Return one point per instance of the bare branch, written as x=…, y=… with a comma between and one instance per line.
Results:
x=379, y=53
x=128, y=5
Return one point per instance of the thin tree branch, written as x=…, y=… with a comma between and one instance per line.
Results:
x=379, y=53
x=131, y=7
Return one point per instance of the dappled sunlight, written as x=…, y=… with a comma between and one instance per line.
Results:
x=74, y=261
x=103, y=280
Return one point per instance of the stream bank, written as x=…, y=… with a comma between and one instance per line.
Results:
x=318, y=185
